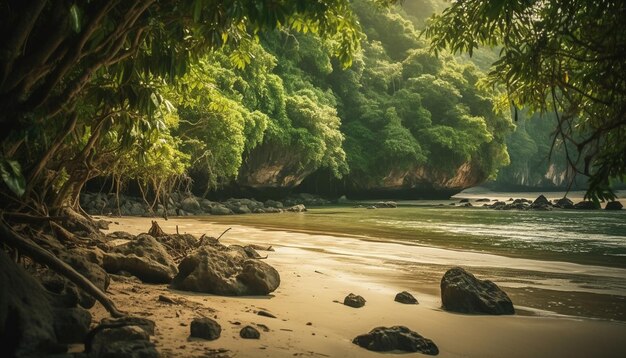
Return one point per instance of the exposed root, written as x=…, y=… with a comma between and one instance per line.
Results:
x=42, y=256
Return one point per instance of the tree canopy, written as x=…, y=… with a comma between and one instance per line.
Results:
x=77, y=75
x=558, y=56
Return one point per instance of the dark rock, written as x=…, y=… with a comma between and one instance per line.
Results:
x=205, y=328
x=464, y=293
x=483, y=200
x=564, y=203
x=498, y=205
x=541, y=200
x=467, y=205
x=613, y=205
x=26, y=316
x=249, y=332
x=147, y=325
x=123, y=342
x=88, y=263
x=464, y=201
x=541, y=203
x=382, y=339
x=219, y=270
x=406, y=298
x=265, y=314
x=71, y=324
x=586, y=205
x=191, y=205
x=65, y=293
x=144, y=257
x=353, y=300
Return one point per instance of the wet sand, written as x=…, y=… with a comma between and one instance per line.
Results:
x=317, y=270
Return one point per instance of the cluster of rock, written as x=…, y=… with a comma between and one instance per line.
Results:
x=205, y=266
x=461, y=292
x=378, y=205
x=179, y=204
x=48, y=312
x=45, y=319
x=541, y=203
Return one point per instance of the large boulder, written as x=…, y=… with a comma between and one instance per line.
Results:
x=541, y=200
x=143, y=257
x=26, y=316
x=219, y=270
x=564, y=203
x=464, y=293
x=382, y=339
x=541, y=203
x=205, y=328
x=87, y=262
x=613, y=205
x=586, y=205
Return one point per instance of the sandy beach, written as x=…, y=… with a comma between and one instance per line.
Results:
x=319, y=270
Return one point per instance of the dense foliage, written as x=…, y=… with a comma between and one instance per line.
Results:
x=84, y=83
x=560, y=56
x=397, y=111
x=157, y=91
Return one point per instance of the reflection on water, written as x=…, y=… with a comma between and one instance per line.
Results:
x=588, y=237
x=569, y=262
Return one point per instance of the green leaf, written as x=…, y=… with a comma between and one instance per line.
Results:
x=75, y=18
x=12, y=176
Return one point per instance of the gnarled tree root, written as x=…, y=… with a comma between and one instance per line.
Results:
x=44, y=257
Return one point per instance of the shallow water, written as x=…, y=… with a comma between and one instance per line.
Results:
x=589, y=237
x=565, y=262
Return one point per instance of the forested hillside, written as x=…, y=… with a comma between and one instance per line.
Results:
x=398, y=118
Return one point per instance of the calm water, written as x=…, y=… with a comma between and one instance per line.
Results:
x=586, y=237
x=563, y=261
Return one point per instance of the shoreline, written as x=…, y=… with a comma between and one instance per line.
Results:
x=313, y=277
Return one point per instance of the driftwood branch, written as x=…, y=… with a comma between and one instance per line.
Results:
x=44, y=257
x=222, y=234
